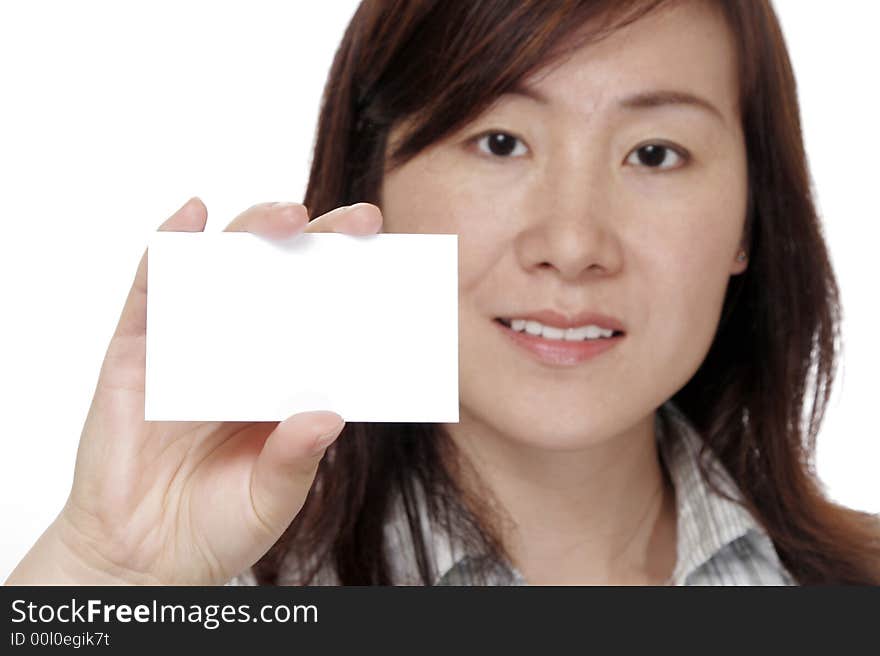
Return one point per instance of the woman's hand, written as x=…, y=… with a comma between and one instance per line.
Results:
x=182, y=502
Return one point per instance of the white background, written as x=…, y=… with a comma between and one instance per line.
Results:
x=114, y=114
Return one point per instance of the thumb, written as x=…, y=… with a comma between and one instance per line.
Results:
x=192, y=217
x=285, y=468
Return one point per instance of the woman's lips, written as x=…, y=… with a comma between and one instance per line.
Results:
x=559, y=351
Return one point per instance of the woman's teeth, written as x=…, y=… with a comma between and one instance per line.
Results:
x=578, y=334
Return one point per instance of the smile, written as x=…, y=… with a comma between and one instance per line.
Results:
x=548, y=346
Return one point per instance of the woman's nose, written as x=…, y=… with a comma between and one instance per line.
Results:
x=572, y=228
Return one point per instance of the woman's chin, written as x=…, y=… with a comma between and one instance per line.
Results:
x=550, y=429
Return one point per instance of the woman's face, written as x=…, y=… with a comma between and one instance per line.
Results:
x=616, y=184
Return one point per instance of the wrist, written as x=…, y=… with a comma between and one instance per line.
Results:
x=62, y=556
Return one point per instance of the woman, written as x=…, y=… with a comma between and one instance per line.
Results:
x=629, y=173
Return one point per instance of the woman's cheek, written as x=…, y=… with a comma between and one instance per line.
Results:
x=677, y=273
x=485, y=222
x=700, y=296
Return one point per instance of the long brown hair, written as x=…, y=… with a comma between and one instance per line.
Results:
x=759, y=397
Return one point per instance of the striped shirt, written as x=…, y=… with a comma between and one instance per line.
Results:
x=718, y=540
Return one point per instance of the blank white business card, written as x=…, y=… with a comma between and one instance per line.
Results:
x=244, y=328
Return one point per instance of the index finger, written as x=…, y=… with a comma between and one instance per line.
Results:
x=191, y=217
x=357, y=219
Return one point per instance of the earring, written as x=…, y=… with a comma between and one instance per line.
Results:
x=741, y=257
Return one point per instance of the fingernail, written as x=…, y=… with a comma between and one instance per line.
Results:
x=296, y=217
x=325, y=440
x=186, y=205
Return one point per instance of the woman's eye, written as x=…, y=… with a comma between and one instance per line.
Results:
x=501, y=144
x=656, y=156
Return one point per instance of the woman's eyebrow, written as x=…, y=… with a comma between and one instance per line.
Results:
x=527, y=91
x=644, y=100
x=661, y=98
